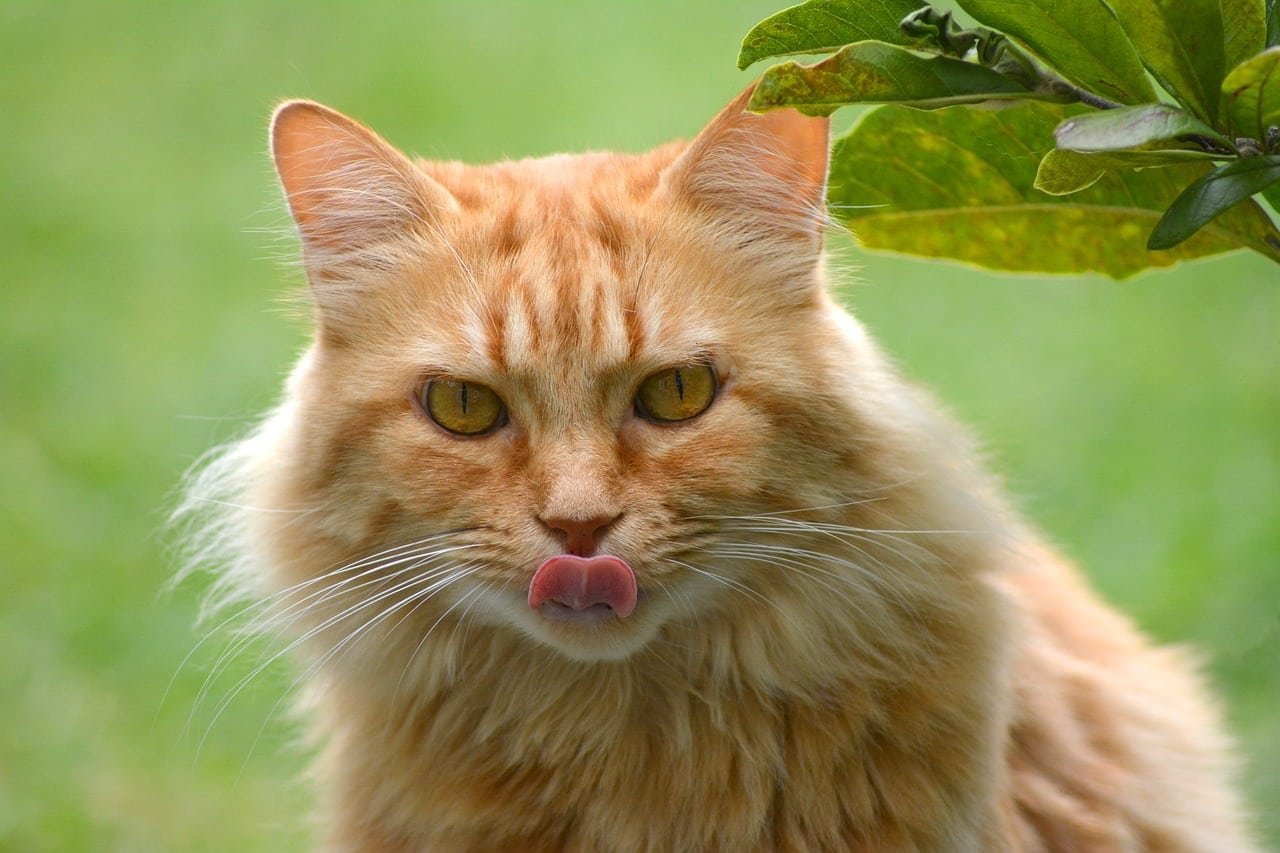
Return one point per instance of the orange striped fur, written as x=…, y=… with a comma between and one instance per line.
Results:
x=844, y=640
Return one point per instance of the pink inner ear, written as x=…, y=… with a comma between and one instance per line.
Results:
x=347, y=187
x=773, y=163
x=581, y=582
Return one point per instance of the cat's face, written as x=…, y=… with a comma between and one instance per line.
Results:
x=605, y=356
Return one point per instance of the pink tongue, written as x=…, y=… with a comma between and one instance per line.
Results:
x=580, y=582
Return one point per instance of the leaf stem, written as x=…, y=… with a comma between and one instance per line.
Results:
x=1087, y=97
x=1059, y=86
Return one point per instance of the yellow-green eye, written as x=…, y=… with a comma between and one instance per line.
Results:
x=463, y=407
x=677, y=393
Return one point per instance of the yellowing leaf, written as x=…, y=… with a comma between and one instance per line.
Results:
x=821, y=26
x=960, y=183
x=1064, y=172
x=872, y=72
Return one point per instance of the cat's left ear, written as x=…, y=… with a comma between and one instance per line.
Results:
x=766, y=172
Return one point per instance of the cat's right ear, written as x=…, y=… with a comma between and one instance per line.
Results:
x=352, y=195
x=763, y=173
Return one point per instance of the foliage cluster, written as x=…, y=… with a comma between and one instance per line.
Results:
x=1097, y=122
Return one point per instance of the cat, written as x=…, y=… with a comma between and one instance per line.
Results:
x=596, y=524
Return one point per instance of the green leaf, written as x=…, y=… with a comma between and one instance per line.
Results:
x=960, y=183
x=1273, y=23
x=1272, y=195
x=821, y=26
x=1253, y=93
x=1182, y=44
x=873, y=72
x=1063, y=171
x=1212, y=195
x=1149, y=125
x=1080, y=39
x=1244, y=24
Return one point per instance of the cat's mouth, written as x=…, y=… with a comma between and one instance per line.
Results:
x=583, y=590
x=589, y=609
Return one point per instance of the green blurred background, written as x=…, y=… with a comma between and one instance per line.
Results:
x=140, y=235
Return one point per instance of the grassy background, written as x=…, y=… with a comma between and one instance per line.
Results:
x=1138, y=423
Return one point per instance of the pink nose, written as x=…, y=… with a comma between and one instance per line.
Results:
x=580, y=535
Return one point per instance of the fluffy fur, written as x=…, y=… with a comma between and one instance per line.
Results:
x=844, y=639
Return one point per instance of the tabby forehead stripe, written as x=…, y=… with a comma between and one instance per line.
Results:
x=570, y=297
x=536, y=322
x=597, y=323
x=495, y=334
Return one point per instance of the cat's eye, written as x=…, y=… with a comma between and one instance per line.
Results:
x=677, y=393
x=464, y=408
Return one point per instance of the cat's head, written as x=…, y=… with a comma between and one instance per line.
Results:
x=619, y=358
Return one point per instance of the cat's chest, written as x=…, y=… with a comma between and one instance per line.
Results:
x=523, y=759
x=596, y=768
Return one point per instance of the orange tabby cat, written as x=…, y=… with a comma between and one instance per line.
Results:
x=600, y=526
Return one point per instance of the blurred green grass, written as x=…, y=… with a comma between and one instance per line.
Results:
x=1138, y=423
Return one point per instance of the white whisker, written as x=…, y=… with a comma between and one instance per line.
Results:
x=419, y=596
x=728, y=582
x=266, y=602
x=418, y=647
x=362, y=604
x=267, y=621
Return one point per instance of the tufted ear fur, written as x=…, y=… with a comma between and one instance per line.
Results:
x=765, y=173
x=351, y=194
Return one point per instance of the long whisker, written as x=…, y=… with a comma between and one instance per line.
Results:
x=259, y=625
x=752, y=554
x=420, y=595
x=305, y=637
x=263, y=604
x=774, y=517
x=396, y=692
x=463, y=625
x=728, y=582
x=682, y=601
x=889, y=577
x=849, y=537
x=416, y=559
x=784, y=512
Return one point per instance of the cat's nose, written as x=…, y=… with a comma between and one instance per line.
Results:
x=580, y=535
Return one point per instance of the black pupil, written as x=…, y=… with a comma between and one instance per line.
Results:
x=679, y=385
x=462, y=397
